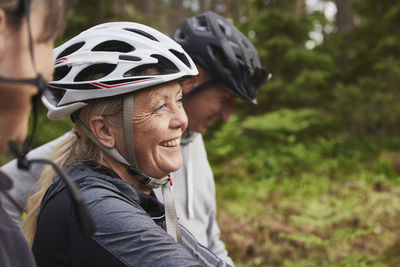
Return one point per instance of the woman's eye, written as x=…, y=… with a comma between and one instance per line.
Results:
x=160, y=107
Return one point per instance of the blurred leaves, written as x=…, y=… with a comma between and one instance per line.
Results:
x=309, y=176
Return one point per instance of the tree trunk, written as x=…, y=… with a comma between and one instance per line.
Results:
x=176, y=13
x=213, y=5
x=344, y=18
x=300, y=7
x=150, y=10
x=203, y=5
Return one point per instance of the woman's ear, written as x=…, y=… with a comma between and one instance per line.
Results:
x=102, y=131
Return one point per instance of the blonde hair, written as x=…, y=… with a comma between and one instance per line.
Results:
x=71, y=150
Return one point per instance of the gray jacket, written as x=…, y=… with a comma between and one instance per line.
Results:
x=129, y=226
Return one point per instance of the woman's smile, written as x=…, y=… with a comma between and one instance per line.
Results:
x=173, y=143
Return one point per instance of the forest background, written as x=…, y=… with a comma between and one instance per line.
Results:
x=310, y=175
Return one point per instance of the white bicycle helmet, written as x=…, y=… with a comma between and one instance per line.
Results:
x=108, y=60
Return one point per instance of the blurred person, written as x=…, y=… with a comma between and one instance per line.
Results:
x=27, y=31
x=229, y=67
x=120, y=83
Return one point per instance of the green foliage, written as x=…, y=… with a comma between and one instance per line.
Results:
x=310, y=175
x=282, y=124
x=81, y=16
x=50, y=130
x=301, y=77
x=319, y=201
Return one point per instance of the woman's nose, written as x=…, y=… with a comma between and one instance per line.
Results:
x=179, y=119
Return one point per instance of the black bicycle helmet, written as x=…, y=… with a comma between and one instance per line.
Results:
x=224, y=52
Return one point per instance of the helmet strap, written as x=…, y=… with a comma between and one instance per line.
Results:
x=171, y=220
x=198, y=89
x=127, y=116
x=133, y=169
x=113, y=152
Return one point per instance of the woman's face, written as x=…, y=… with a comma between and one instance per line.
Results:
x=158, y=124
x=16, y=63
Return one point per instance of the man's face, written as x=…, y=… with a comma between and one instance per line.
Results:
x=207, y=106
x=16, y=63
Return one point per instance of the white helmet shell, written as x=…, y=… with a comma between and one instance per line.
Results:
x=110, y=59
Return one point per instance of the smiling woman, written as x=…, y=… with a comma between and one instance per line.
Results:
x=120, y=83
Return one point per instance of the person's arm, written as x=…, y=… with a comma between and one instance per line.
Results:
x=133, y=236
x=14, y=200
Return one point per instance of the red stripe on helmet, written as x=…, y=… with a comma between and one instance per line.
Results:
x=121, y=84
x=61, y=59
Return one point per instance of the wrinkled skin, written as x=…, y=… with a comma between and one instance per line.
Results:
x=158, y=117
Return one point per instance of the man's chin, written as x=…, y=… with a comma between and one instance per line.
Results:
x=199, y=131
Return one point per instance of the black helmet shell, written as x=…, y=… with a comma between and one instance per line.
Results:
x=224, y=52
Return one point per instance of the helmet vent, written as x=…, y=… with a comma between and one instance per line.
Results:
x=240, y=59
x=222, y=28
x=144, y=70
x=61, y=72
x=114, y=46
x=94, y=72
x=181, y=57
x=129, y=58
x=166, y=66
x=218, y=54
x=201, y=24
x=180, y=35
x=71, y=49
x=225, y=29
x=143, y=33
x=54, y=95
x=163, y=67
